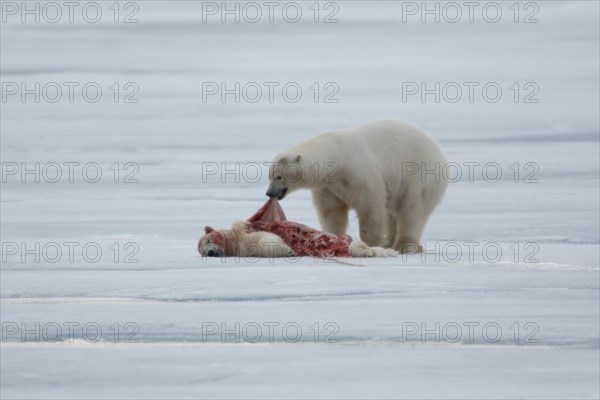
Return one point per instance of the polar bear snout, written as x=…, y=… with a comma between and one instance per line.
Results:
x=277, y=191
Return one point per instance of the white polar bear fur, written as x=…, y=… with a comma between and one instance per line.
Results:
x=368, y=168
x=358, y=248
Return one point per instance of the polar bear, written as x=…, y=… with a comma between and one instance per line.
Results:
x=388, y=171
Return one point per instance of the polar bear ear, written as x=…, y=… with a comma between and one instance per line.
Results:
x=298, y=158
x=208, y=229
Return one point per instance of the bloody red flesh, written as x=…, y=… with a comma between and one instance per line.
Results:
x=302, y=239
x=270, y=211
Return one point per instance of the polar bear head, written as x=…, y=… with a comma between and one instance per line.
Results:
x=285, y=175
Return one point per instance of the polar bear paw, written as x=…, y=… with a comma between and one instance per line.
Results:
x=381, y=252
x=358, y=248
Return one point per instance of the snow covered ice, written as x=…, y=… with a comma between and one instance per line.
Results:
x=505, y=303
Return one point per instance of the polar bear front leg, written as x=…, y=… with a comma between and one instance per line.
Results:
x=372, y=222
x=332, y=212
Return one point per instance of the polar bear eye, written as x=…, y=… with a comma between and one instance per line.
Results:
x=279, y=177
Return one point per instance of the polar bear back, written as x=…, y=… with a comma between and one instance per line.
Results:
x=383, y=148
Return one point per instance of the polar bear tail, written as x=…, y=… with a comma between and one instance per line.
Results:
x=358, y=248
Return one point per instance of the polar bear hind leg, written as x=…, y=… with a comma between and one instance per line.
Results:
x=411, y=217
